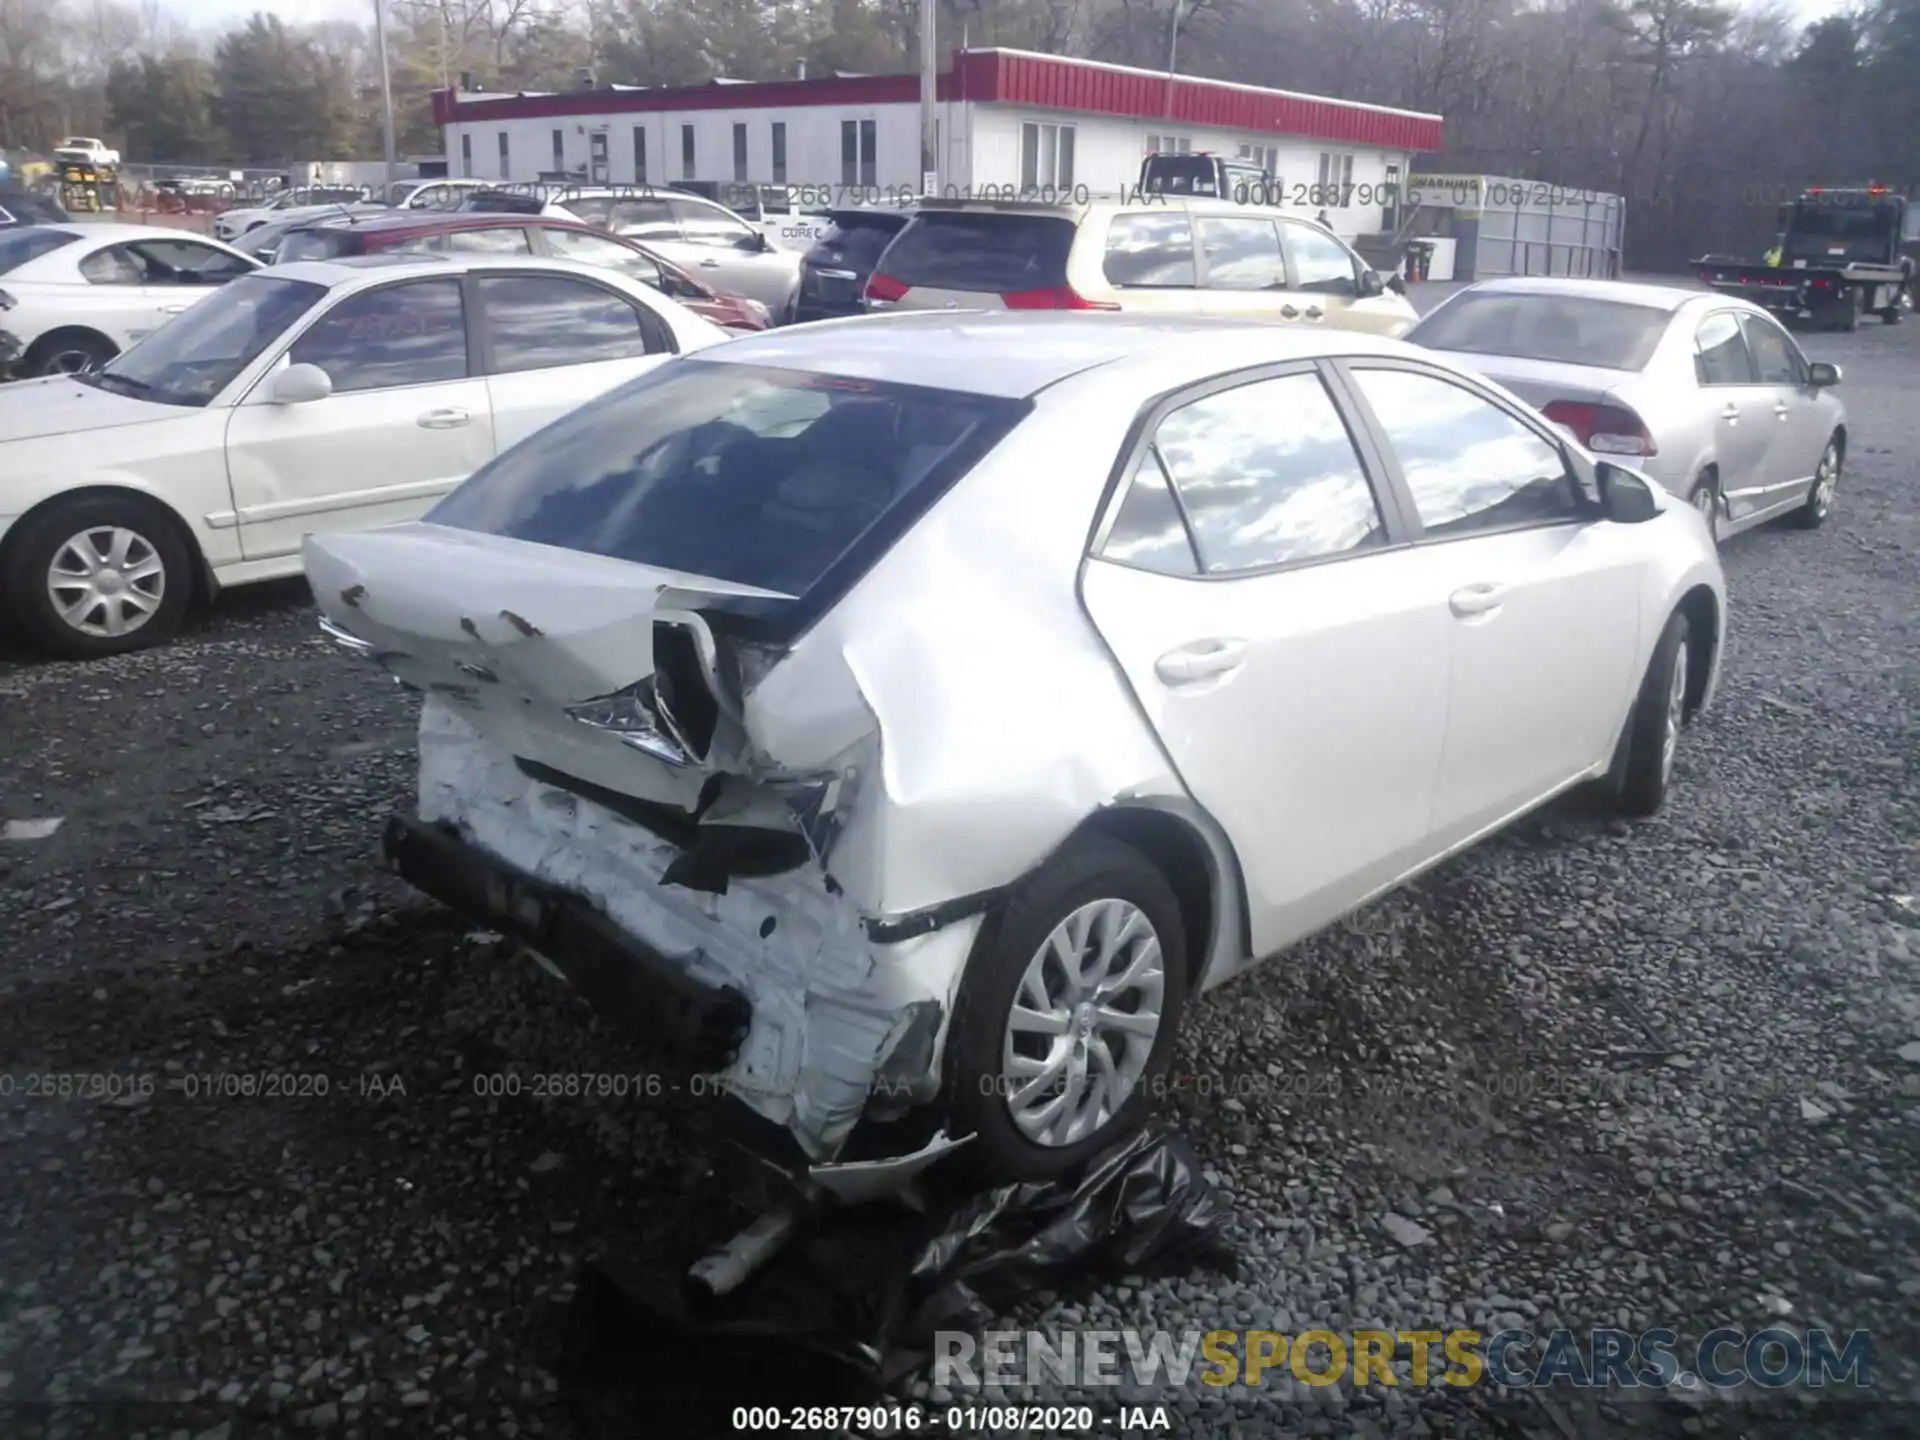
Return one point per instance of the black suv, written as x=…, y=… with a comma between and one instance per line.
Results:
x=833, y=274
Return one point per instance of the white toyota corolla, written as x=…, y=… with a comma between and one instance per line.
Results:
x=907, y=715
x=317, y=396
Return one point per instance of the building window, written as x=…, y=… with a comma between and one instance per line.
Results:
x=740, y=153
x=504, y=173
x=1046, y=156
x=1169, y=144
x=858, y=143
x=466, y=157
x=1266, y=157
x=639, y=154
x=559, y=149
x=1336, y=179
x=779, y=128
x=686, y=152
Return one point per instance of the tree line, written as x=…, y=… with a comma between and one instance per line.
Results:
x=1704, y=114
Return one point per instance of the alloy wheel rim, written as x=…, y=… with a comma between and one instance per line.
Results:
x=69, y=362
x=1676, y=712
x=1708, y=504
x=106, y=581
x=1083, y=1023
x=1825, y=479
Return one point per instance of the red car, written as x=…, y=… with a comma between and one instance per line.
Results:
x=479, y=232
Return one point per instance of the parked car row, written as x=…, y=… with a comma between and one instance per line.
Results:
x=714, y=629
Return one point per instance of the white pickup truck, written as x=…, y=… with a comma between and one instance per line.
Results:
x=85, y=147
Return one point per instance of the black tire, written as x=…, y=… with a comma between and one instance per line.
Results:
x=1826, y=481
x=1642, y=772
x=1708, y=486
x=69, y=352
x=1089, y=869
x=1891, y=315
x=32, y=548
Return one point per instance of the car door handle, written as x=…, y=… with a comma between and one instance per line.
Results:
x=1287, y=312
x=1732, y=412
x=1478, y=599
x=1314, y=312
x=709, y=264
x=173, y=309
x=1782, y=409
x=443, y=419
x=1202, y=660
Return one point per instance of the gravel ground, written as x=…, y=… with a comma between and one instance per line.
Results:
x=1586, y=1075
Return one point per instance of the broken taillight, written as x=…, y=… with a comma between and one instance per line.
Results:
x=1055, y=297
x=629, y=716
x=1605, y=429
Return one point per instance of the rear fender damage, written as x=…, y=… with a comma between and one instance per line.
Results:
x=773, y=881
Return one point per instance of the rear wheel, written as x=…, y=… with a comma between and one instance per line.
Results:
x=1066, y=1013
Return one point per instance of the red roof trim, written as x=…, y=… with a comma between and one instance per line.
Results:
x=1005, y=77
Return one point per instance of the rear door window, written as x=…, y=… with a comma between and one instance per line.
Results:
x=494, y=240
x=1150, y=251
x=644, y=219
x=852, y=243
x=17, y=247
x=784, y=480
x=982, y=251
x=536, y=322
x=604, y=251
x=314, y=245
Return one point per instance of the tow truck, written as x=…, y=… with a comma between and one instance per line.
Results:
x=1842, y=253
x=1200, y=172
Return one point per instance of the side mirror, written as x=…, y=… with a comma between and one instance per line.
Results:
x=1397, y=284
x=1625, y=498
x=1371, y=284
x=300, y=384
x=756, y=241
x=1820, y=374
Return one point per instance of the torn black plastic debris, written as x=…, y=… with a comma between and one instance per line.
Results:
x=850, y=1308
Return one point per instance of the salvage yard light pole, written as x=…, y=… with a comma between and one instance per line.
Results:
x=1173, y=46
x=386, y=90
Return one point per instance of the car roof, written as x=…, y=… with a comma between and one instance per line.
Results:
x=121, y=230
x=1017, y=354
x=1625, y=292
x=390, y=265
x=1145, y=203
x=405, y=222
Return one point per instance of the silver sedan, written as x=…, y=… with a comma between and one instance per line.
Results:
x=1702, y=392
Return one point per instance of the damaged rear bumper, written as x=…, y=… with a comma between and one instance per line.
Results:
x=700, y=1024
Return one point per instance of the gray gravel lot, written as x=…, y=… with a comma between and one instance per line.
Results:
x=1601, y=1075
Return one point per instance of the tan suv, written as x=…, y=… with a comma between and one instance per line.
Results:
x=1158, y=255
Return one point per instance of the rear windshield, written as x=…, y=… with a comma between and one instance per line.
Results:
x=30, y=242
x=314, y=245
x=1606, y=334
x=1863, y=231
x=759, y=476
x=854, y=242
x=982, y=250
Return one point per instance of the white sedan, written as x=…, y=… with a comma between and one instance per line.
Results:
x=316, y=396
x=774, y=701
x=74, y=296
x=303, y=202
